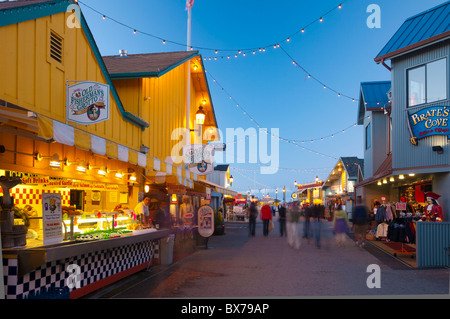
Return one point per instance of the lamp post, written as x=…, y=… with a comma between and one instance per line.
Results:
x=284, y=194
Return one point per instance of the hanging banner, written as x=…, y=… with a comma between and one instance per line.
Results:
x=430, y=121
x=52, y=218
x=205, y=217
x=88, y=102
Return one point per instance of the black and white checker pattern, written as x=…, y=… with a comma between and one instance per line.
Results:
x=93, y=267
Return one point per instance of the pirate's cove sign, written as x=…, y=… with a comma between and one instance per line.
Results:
x=87, y=102
x=428, y=122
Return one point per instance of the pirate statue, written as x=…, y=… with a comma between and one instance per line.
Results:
x=433, y=211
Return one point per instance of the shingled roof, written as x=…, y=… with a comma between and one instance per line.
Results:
x=145, y=65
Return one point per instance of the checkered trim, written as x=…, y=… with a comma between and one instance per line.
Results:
x=24, y=195
x=93, y=267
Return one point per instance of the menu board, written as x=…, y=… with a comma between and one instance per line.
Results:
x=205, y=221
x=52, y=218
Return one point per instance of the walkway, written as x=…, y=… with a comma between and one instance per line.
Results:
x=238, y=266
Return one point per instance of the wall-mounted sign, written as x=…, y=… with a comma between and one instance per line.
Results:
x=200, y=158
x=87, y=102
x=430, y=121
x=205, y=221
x=52, y=218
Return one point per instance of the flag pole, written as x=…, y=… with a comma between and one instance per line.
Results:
x=188, y=93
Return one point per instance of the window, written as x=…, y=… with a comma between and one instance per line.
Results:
x=427, y=83
x=368, y=137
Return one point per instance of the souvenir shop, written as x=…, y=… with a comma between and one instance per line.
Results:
x=397, y=208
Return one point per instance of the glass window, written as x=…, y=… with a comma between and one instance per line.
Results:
x=437, y=81
x=368, y=137
x=416, y=86
x=427, y=83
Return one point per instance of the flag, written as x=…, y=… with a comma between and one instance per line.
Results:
x=189, y=4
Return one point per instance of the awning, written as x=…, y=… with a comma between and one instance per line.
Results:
x=50, y=129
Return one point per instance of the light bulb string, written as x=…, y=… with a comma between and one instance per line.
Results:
x=165, y=40
x=292, y=141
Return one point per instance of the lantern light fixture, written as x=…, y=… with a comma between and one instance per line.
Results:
x=200, y=116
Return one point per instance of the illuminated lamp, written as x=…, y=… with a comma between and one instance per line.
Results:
x=102, y=171
x=401, y=177
x=384, y=181
x=200, y=116
x=392, y=179
x=173, y=198
x=379, y=182
x=146, y=188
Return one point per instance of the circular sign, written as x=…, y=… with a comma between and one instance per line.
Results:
x=205, y=221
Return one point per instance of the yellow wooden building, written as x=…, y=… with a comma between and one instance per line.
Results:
x=50, y=66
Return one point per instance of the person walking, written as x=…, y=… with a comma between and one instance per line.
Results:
x=282, y=219
x=317, y=214
x=307, y=213
x=266, y=217
x=292, y=219
x=360, y=223
x=252, y=215
x=341, y=225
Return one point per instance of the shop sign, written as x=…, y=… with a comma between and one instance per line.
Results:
x=87, y=102
x=52, y=218
x=200, y=158
x=400, y=206
x=205, y=221
x=178, y=190
x=428, y=122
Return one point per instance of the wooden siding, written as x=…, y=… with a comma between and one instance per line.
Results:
x=406, y=155
x=161, y=101
x=31, y=79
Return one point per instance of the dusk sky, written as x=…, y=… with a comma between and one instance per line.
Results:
x=338, y=52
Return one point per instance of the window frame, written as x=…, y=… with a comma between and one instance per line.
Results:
x=424, y=65
x=368, y=137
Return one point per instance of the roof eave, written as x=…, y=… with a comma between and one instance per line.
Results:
x=413, y=47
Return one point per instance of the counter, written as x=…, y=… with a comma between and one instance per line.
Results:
x=96, y=263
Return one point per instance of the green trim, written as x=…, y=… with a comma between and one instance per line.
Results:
x=32, y=11
x=139, y=75
x=126, y=115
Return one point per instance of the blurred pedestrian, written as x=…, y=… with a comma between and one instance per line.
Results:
x=266, y=217
x=252, y=215
x=317, y=215
x=292, y=219
x=360, y=222
x=341, y=225
x=282, y=219
x=307, y=212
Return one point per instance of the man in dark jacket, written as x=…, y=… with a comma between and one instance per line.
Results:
x=282, y=219
x=252, y=215
x=360, y=220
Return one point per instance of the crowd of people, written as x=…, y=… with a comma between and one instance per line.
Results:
x=292, y=216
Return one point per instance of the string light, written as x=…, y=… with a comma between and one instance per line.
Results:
x=216, y=50
x=293, y=141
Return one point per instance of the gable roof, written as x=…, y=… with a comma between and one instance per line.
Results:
x=13, y=12
x=145, y=65
x=352, y=166
x=418, y=31
x=373, y=96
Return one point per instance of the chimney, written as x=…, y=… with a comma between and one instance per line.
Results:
x=123, y=53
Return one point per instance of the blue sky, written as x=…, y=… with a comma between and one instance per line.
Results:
x=338, y=51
